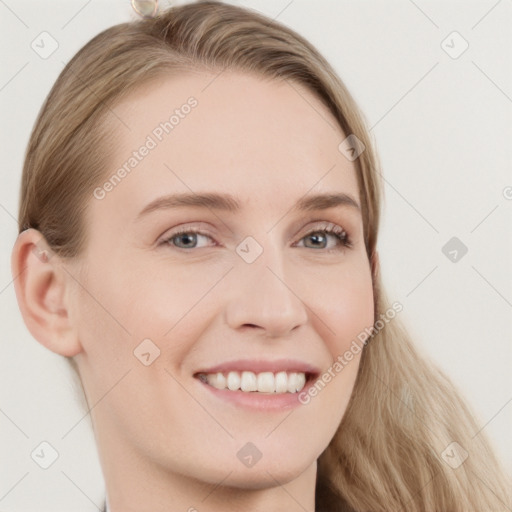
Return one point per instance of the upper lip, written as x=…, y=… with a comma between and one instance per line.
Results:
x=261, y=365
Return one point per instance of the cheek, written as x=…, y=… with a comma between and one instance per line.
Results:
x=346, y=307
x=129, y=302
x=355, y=314
x=163, y=303
x=171, y=299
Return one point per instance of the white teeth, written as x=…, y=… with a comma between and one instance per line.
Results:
x=295, y=382
x=281, y=382
x=264, y=382
x=249, y=382
x=217, y=380
x=301, y=377
x=233, y=381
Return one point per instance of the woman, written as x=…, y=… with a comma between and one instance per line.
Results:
x=251, y=369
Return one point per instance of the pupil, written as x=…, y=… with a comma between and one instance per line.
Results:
x=316, y=237
x=185, y=237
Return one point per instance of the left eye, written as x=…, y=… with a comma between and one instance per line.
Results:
x=337, y=232
x=187, y=238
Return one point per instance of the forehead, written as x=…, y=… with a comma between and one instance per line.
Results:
x=259, y=139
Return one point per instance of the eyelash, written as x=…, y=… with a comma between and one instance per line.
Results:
x=332, y=229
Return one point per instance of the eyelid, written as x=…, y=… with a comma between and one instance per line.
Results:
x=185, y=228
x=196, y=226
x=321, y=224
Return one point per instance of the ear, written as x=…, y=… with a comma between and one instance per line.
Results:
x=42, y=290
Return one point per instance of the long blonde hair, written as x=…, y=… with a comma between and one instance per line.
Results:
x=387, y=454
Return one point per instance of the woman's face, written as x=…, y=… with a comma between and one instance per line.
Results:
x=259, y=290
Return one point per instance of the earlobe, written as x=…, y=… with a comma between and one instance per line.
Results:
x=40, y=285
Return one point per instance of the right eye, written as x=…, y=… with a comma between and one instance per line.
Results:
x=185, y=236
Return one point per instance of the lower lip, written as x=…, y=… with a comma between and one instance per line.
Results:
x=259, y=401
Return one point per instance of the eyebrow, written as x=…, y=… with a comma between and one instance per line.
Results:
x=229, y=203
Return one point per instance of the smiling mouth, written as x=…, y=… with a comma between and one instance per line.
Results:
x=264, y=382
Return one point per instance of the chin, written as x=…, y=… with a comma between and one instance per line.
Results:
x=267, y=475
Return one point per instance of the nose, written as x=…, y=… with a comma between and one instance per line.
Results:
x=262, y=295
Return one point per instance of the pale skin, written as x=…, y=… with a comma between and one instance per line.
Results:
x=164, y=440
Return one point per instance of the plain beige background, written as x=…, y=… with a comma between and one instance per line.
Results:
x=441, y=118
